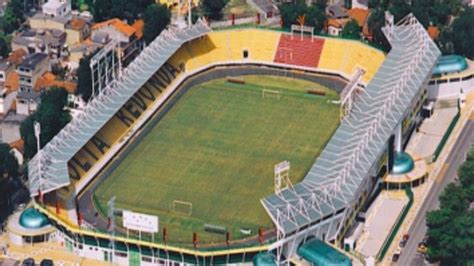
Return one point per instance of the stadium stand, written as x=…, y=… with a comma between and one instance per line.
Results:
x=199, y=50
x=295, y=50
x=49, y=168
x=181, y=58
x=332, y=55
x=344, y=56
x=225, y=46
x=326, y=54
x=340, y=177
x=121, y=123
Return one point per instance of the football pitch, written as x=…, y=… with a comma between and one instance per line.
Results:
x=216, y=149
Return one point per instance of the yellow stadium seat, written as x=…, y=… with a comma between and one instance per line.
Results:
x=344, y=56
x=112, y=131
x=220, y=46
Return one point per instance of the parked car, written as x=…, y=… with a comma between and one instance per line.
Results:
x=46, y=262
x=28, y=262
x=404, y=240
x=396, y=255
x=422, y=247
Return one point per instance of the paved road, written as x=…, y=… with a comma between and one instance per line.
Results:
x=418, y=229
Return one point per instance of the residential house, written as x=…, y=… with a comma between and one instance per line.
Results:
x=8, y=89
x=171, y=3
x=78, y=51
x=77, y=30
x=3, y=6
x=9, y=81
x=56, y=8
x=337, y=19
x=41, y=41
x=469, y=2
x=41, y=21
x=130, y=43
x=340, y=16
x=362, y=4
x=335, y=26
x=30, y=71
x=18, y=148
x=337, y=11
x=361, y=16
x=433, y=31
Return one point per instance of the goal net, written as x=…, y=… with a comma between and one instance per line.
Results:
x=271, y=93
x=182, y=207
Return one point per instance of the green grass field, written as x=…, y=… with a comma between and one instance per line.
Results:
x=216, y=148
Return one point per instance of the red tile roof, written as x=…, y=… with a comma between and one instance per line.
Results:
x=118, y=24
x=18, y=144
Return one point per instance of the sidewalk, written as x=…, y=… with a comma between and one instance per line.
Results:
x=425, y=141
x=381, y=218
x=60, y=255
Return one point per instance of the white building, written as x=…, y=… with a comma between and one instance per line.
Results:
x=56, y=8
x=364, y=4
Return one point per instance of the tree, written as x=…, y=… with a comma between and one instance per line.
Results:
x=102, y=10
x=376, y=22
x=8, y=163
x=13, y=16
x=316, y=16
x=138, y=7
x=399, y=9
x=17, y=8
x=445, y=40
x=290, y=11
x=4, y=46
x=122, y=9
x=212, y=9
x=50, y=114
x=321, y=4
x=451, y=228
x=440, y=13
x=84, y=78
x=450, y=237
x=157, y=17
x=421, y=9
x=463, y=34
x=351, y=30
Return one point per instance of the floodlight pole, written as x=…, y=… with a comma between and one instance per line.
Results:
x=111, y=229
x=179, y=10
x=189, y=13
x=37, y=127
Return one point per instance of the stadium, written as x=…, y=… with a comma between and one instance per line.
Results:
x=246, y=143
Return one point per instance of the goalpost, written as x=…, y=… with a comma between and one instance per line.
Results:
x=274, y=93
x=182, y=207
